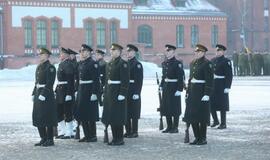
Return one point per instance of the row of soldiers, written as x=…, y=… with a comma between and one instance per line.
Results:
x=81, y=86
x=251, y=64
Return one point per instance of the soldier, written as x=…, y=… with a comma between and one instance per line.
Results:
x=44, y=110
x=172, y=84
x=102, y=75
x=243, y=64
x=198, y=95
x=266, y=62
x=115, y=94
x=258, y=63
x=134, y=93
x=87, y=105
x=222, y=84
x=235, y=57
x=65, y=95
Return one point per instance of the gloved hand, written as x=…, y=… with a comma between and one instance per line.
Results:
x=93, y=97
x=120, y=97
x=135, y=96
x=75, y=94
x=177, y=93
x=68, y=98
x=41, y=97
x=33, y=97
x=226, y=90
x=186, y=97
x=160, y=89
x=205, y=98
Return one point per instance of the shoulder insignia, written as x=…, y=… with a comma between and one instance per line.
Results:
x=139, y=66
x=96, y=65
x=125, y=65
x=51, y=69
x=180, y=65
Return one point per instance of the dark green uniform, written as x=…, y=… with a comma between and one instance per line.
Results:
x=243, y=64
x=258, y=64
x=45, y=112
x=235, y=58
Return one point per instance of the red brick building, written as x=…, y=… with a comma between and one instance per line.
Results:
x=248, y=23
x=27, y=25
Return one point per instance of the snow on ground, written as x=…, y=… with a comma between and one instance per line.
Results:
x=247, y=136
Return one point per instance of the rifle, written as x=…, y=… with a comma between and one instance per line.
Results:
x=106, y=136
x=77, y=135
x=158, y=109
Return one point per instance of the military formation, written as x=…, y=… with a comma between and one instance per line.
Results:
x=86, y=84
x=248, y=63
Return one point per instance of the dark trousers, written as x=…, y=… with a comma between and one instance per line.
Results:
x=65, y=111
x=172, y=122
x=222, y=117
x=89, y=129
x=46, y=132
x=199, y=130
x=131, y=126
x=117, y=133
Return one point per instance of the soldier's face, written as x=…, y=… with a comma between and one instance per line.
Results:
x=169, y=53
x=219, y=53
x=130, y=54
x=63, y=56
x=84, y=54
x=98, y=56
x=199, y=54
x=43, y=57
x=115, y=53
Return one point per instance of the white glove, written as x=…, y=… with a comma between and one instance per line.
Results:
x=160, y=88
x=226, y=90
x=120, y=97
x=41, y=97
x=93, y=97
x=68, y=98
x=177, y=93
x=75, y=94
x=135, y=96
x=205, y=98
x=33, y=97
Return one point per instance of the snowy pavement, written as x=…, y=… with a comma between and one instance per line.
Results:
x=247, y=136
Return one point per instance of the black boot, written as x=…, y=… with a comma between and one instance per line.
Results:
x=215, y=118
x=128, y=129
x=196, y=132
x=223, y=120
x=118, y=136
x=114, y=133
x=169, y=125
x=42, y=134
x=134, y=128
x=86, y=130
x=93, y=132
x=203, y=130
x=49, y=141
x=175, y=125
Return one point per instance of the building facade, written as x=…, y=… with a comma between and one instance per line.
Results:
x=28, y=25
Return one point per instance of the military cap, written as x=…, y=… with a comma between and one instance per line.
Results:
x=44, y=51
x=221, y=47
x=100, y=52
x=200, y=47
x=116, y=46
x=170, y=47
x=247, y=50
x=70, y=51
x=132, y=47
x=64, y=50
x=86, y=47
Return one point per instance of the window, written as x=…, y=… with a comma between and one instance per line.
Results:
x=55, y=33
x=28, y=31
x=89, y=33
x=214, y=36
x=145, y=35
x=113, y=31
x=266, y=4
x=101, y=36
x=194, y=35
x=141, y=2
x=180, y=36
x=266, y=24
x=41, y=33
x=266, y=44
x=180, y=3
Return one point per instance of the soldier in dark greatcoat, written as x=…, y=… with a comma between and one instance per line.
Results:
x=65, y=95
x=172, y=85
x=134, y=92
x=222, y=84
x=115, y=94
x=200, y=85
x=87, y=105
x=44, y=110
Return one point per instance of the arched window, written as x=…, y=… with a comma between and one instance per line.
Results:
x=180, y=3
x=113, y=31
x=214, y=36
x=180, y=36
x=88, y=25
x=145, y=35
x=101, y=34
x=41, y=33
x=194, y=35
x=55, y=33
x=28, y=33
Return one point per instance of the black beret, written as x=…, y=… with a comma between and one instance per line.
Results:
x=132, y=47
x=44, y=51
x=100, y=52
x=86, y=47
x=200, y=47
x=70, y=51
x=221, y=47
x=116, y=46
x=170, y=47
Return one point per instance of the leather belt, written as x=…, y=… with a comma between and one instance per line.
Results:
x=193, y=80
x=218, y=77
x=114, y=82
x=131, y=81
x=40, y=85
x=85, y=82
x=170, y=80
x=62, y=82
